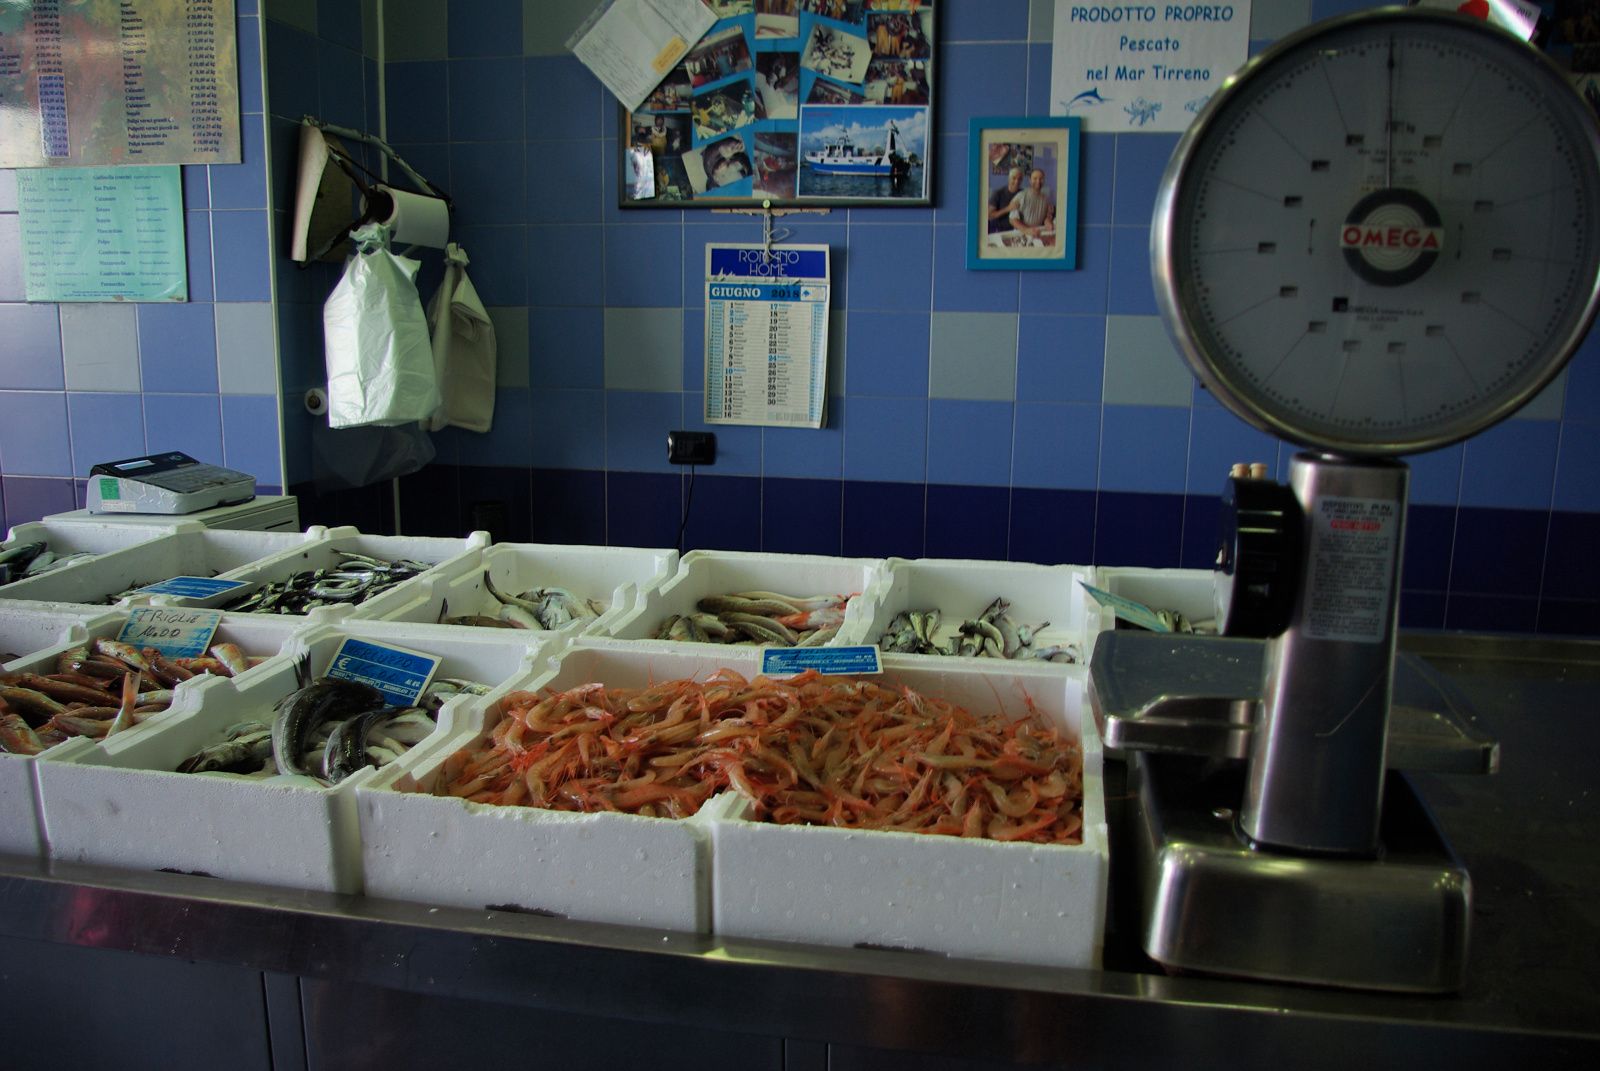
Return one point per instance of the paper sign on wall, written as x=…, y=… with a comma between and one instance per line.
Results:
x=103, y=234
x=1143, y=67
x=766, y=335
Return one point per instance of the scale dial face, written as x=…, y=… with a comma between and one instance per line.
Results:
x=1383, y=234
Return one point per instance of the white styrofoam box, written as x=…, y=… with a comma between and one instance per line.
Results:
x=962, y=590
x=26, y=628
x=971, y=898
x=618, y=577
x=725, y=572
x=1188, y=591
x=447, y=554
x=89, y=537
x=603, y=867
x=120, y=804
x=18, y=780
x=188, y=552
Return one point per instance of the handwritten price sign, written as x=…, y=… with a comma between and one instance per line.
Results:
x=176, y=633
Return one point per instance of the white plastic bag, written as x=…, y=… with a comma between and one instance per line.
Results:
x=379, y=357
x=463, y=349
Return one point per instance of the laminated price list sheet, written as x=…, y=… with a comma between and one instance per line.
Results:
x=766, y=335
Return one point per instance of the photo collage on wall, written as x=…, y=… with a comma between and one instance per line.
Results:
x=791, y=101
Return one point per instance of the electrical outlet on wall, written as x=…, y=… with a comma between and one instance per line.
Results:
x=691, y=448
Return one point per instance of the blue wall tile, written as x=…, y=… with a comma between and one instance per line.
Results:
x=1201, y=514
x=419, y=109
x=1141, y=158
x=1512, y=465
x=485, y=28
x=499, y=263
x=992, y=81
x=1568, y=617
x=1422, y=610
x=248, y=43
x=1482, y=613
x=569, y=506
x=178, y=348
x=968, y=522
x=956, y=288
x=806, y=452
x=724, y=514
x=243, y=185
x=568, y=428
x=563, y=99
x=1039, y=79
x=110, y=427
x=566, y=265
x=886, y=440
x=1572, y=568
x=644, y=266
x=342, y=86
x=12, y=287
x=291, y=70
x=969, y=442
x=890, y=267
x=1052, y=527
x=191, y=423
x=485, y=99
x=566, y=347
x=1578, y=469
x=888, y=353
x=1436, y=476
x=1061, y=358
x=32, y=335
x=1218, y=439
x=486, y=183
x=1143, y=447
x=993, y=20
x=802, y=516
x=250, y=435
x=239, y=240
x=197, y=249
x=1130, y=290
x=635, y=422
x=642, y=509
x=883, y=520
x=1430, y=538
x=1082, y=291
x=33, y=434
x=563, y=181
x=28, y=499
x=1134, y=529
x=1498, y=551
x=694, y=349
x=340, y=23
x=1057, y=445
x=738, y=446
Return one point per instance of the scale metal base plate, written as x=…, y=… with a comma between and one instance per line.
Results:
x=1212, y=904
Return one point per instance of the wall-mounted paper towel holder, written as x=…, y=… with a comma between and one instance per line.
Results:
x=326, y=196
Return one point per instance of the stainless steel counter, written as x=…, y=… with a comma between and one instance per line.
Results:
x=1528, y=836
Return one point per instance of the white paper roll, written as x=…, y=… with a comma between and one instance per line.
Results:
x=417, y=219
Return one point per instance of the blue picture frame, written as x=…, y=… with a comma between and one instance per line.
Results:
x=1037, y=232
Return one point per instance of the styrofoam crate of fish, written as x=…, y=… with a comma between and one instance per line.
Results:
x=18, y=781
x=112, y=578
x=966, y=897
x=557, y=587
x=26, y=628
x=1186, y=591
x=330, y=598
x=607, y=867
x=65, y=546
x=1009, y=610
x=706, y=574
x=122, y=803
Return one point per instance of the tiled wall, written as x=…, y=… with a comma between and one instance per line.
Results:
x=81, y=383
x=1034, y=416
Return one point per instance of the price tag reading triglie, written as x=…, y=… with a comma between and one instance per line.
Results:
x=401, y=675
x=786, y=661
x=175, y=632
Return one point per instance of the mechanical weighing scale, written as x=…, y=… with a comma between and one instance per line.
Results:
x=1381, y=237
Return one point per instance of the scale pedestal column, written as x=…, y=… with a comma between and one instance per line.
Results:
x=1315, y=781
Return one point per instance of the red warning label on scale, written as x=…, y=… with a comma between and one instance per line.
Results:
x=1354, y=547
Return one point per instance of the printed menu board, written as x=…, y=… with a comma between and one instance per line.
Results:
x=121, y=82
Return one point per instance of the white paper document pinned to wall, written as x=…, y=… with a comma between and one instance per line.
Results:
x=766, y=335
x=630, y=45
x=1143, y=68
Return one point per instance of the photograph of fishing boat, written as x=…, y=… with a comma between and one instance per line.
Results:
x=857, y=152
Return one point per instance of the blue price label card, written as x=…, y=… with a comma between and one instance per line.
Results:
x=193, y=587
x=785, y=661
x=1136, y=613
x=175, y=632
x=401, y=675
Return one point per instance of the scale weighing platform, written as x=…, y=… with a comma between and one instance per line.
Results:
x=1379, y=238
x=171, y=483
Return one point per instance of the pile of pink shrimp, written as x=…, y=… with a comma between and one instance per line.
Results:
x=810, y=749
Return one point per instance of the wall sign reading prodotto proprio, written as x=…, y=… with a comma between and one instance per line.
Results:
x=1354, y=544
x=1143, y=67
